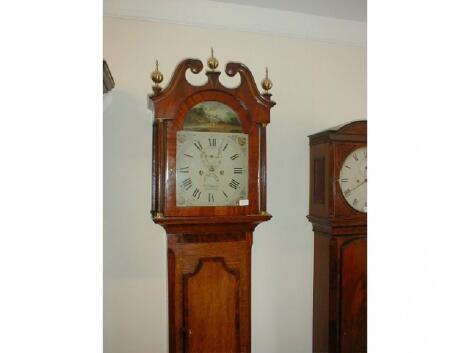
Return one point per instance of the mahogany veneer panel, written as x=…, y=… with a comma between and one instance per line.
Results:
x=210, y=283
x=212, y=315
x=353, y=326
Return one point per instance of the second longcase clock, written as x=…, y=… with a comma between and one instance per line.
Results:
x=209, y=193
x=338, y=212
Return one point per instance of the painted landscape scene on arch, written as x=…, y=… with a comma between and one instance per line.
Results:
x=212, y=116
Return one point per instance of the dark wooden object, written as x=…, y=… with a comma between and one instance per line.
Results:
x=209, y=248
x=108, y=81
x=340, y=246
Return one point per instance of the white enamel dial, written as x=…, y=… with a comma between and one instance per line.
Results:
x=353, y=179
x=211, y=169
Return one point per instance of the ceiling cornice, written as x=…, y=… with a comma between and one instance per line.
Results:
x=204, y=13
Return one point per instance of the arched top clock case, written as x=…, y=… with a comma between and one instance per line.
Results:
x=176, y=110
x=209, y=193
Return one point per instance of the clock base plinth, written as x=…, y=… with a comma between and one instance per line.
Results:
x=209, y=289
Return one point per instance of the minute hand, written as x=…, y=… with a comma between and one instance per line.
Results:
x=365, y=181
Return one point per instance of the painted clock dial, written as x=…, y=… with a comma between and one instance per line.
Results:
x=353, y=179
x=211, y=169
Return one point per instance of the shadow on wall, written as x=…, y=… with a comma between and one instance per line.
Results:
x=130, y=236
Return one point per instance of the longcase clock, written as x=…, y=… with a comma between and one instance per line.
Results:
x=338, y=213
x=209, y=193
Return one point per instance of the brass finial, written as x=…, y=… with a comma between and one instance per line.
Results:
x=266, y=83
x=156, y=76
x=212, y=62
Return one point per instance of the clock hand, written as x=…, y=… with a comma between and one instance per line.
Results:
x=219, y=150
x=365, y=181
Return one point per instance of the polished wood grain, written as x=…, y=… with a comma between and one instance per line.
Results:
x=209, y=248
x=321, y=295
x=339, y=294
x=219, y=301
x=340, y=246
x=353, y=287
x=210, y=286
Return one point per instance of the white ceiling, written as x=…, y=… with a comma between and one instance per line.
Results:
x=241, y=15
x=355, y=10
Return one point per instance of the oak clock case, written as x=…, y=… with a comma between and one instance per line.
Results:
x=209, y=193
x=338, y=213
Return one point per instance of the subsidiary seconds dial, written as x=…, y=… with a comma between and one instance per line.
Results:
x=211, y=169
x=353, y=179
